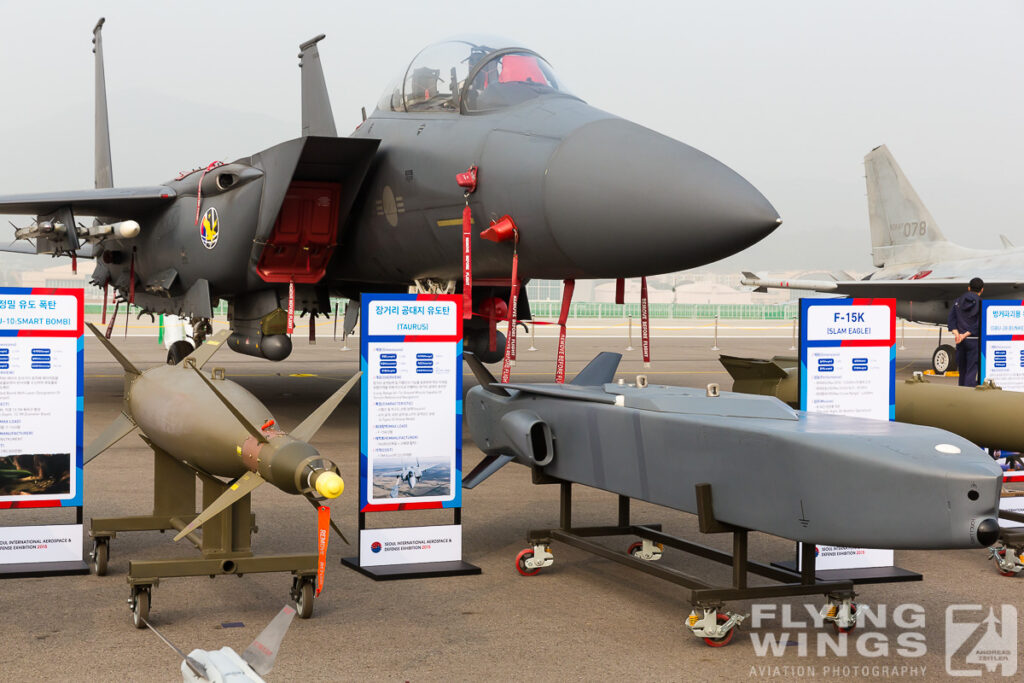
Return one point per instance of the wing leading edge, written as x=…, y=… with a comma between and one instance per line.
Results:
x=113, y=201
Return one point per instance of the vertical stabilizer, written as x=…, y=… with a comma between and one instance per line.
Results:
x=317, y=117
x=902, y=229
x=104, y=169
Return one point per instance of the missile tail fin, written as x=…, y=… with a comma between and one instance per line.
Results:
x=488, y=466
x=121, y=427
x=483, y=375
x=599, y=371
x=242, y=487
x=125, y=363
x=262, y=652
x=309, y=427
x=205, y=351
x=249, y=426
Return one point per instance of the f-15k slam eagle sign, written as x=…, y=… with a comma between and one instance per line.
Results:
x=848, y=367
x=410, y=442
x=41, y=401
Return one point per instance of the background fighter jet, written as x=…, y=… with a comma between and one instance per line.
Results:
x=411, y=474
x=593, y=195
x=916, y=264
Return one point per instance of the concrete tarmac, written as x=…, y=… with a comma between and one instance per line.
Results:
x=584, y=618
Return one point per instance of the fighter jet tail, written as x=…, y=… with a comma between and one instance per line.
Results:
x=902, y=228
x=317, y=117
x=104, y=167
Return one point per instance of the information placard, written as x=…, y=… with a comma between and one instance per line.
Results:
x=848, y=367
x=410, y=443
x=41, y=404
x=1002, y=343
x=411, y=438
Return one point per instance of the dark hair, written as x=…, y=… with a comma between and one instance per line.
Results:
x=976, y=284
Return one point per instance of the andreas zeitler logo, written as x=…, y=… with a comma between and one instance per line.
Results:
x=981, y=639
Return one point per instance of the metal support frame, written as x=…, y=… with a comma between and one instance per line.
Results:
x=791, y=583
x=225, y=541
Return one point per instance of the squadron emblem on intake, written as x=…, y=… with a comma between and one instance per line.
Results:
x=209, y=229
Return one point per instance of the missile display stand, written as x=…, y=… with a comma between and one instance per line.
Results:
x=1009, y=552
x=709, y=618
x=225, y=541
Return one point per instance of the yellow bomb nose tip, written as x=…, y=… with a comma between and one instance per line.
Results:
x=329, y=485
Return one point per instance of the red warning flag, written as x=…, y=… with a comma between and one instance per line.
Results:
x=323, y=527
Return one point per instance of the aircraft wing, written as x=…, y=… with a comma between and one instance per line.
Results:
x=906, y=290
x=112, y=201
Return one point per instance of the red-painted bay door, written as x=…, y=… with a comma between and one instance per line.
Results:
x=304, y=236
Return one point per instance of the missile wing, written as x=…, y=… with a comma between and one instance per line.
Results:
x=772, y=468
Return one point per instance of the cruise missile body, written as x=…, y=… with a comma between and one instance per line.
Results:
x=984, y=415
x=814, y=478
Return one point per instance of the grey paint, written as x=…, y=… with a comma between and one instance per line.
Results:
x=813, y=478
x=593, y=196
x=985, y=415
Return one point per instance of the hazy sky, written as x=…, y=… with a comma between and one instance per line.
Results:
x=791, y=94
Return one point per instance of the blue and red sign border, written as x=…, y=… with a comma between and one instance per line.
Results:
x=805, y=343
x=985, y=337
x=364, y=340
x=79, y=295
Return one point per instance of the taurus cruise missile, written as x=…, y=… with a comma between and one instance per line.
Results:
x=814, y=478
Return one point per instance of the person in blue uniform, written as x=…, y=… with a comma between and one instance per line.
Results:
x=965, y=324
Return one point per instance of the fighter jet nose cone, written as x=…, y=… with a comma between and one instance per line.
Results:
x=329, y=485
x=622, y=200
x=988, y=532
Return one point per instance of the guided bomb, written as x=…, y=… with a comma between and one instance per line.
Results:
x=203, y=428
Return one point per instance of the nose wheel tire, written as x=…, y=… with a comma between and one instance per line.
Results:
x=724, y=640
x=178, y=351
x=944, y=360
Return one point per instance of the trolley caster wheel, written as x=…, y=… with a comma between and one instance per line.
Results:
x=304, y=600
x=178, y=351
x=140, y=607
x=637, y=550
x=847, y=629
x=100, y=554
x=723, y=640
x=1002, y=553
x=521, y=559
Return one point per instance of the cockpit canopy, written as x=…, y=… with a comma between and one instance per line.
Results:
x=436, y=79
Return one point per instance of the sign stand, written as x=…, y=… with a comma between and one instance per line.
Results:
x=848, y=367
x=41, y=387
x=410, y=441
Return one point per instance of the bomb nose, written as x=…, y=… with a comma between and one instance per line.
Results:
x=622, y=200
x=329, y=484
